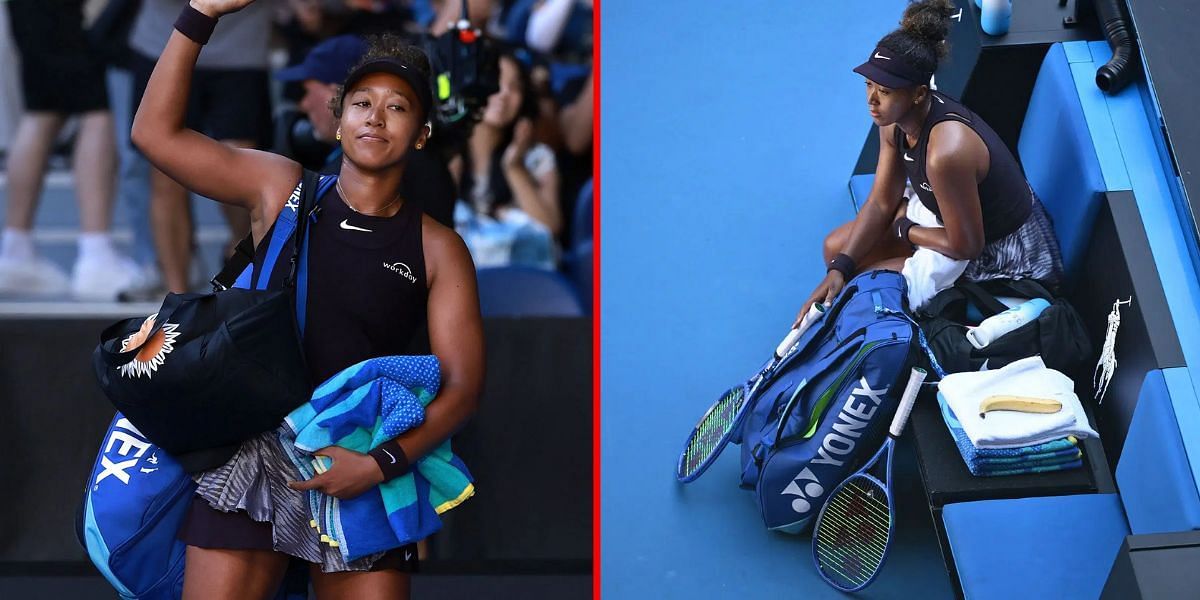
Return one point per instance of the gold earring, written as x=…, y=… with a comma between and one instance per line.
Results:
x=420, y=145
x=339, y=135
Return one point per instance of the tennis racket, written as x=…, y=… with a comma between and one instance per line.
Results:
x=710, y=436
x=854, y=529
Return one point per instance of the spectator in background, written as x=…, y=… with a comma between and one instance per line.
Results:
x=110, y=33
x=61, y=75
x=508, y=176
x=229, y=101
x=426, y=180
x=559, y=35
x=562, y=28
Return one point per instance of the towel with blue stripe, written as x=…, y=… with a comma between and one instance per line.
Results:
x=1056, y=455
x=360, y=408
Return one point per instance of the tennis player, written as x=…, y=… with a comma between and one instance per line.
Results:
x=960, y=170
x=378, y=268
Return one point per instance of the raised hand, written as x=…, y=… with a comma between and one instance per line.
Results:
x=522, y=141
x=217, y=8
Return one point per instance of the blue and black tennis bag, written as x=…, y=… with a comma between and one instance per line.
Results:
x=137, y=495
x=823, y=410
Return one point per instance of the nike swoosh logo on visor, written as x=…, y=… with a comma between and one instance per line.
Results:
x=345, y=225
x=878, y=55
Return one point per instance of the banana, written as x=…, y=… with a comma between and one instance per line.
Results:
x=1018, y=403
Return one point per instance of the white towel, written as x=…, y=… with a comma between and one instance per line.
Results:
x=1010, y=429
x=928, y=271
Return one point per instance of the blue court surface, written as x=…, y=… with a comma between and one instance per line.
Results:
x=729, y=132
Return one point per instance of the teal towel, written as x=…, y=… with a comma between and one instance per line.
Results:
x=359, y=408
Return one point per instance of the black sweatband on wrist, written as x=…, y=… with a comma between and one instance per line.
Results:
x=196, y=25
x=843, y=264
x=901, y=228
x=391, y=460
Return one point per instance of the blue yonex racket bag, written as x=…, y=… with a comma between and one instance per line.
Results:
x=136, y=498
x=138, y=494
x=824, y=410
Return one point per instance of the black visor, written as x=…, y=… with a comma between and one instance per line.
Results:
x=419, y=84
x=891, y=70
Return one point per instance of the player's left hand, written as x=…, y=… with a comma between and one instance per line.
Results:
x=350, y=475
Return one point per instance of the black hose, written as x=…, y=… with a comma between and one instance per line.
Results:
x=1116, y=74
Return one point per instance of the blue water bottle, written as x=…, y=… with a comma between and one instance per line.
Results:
x=995, y=15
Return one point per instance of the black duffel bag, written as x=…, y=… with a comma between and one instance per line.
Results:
x=1058, y=333
x=209, y=371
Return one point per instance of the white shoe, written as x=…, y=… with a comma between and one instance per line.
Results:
x=101, y=278
x=35, y=277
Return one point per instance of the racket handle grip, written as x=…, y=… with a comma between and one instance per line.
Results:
x=810, y=317
x=911, y=391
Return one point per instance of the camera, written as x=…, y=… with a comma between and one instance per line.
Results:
x=465, y=71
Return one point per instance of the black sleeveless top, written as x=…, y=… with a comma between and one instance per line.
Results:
x=1005, y=197
x=367, y=288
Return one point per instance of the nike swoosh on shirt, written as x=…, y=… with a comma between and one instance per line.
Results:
x=908, y=158
x=345, y=225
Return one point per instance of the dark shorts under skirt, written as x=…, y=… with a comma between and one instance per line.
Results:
x=207, y=527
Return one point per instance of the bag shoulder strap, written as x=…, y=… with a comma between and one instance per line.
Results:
x=238, y=271
x=982, y=298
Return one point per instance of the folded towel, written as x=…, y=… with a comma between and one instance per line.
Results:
x=1075, y=464
x=1011, y=429
x=1031, y=459
x=988, y=462
x=359, y=408
x=927, y=271
x=971, y=454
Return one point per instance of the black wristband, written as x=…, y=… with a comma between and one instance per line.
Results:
x=901, y=227
x=196, y=25
x=391, y=460
x=843, y=264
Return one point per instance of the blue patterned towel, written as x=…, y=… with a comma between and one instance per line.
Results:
x=359, y=408
x=1056, y=455
x=1075, y=464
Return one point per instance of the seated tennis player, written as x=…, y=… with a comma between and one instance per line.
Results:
x=972, y=205
x=377, y=268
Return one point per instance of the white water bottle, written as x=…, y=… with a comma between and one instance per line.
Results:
x=995, y=16
x=995, y=326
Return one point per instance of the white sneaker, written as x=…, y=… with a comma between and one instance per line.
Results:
x=101, y=278
x=35, y=277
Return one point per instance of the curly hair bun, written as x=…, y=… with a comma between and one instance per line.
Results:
x=929, y=21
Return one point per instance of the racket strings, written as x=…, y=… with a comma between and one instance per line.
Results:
x=852, y=534
x=711, y=430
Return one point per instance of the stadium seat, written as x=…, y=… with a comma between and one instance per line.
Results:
x=581, y=222
x=577, y=266
x=1059, y=158
x=526, y=292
